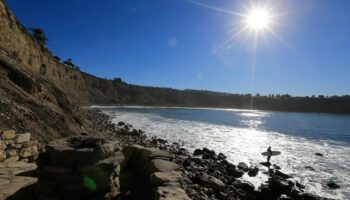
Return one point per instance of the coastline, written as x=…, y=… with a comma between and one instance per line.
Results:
x=196, y=168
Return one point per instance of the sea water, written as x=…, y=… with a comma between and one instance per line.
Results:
x=243, y=134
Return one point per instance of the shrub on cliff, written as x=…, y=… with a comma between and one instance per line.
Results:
x=39, y=35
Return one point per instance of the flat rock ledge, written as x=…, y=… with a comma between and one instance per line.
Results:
x=156, y=169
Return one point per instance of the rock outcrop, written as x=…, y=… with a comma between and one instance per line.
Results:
x=78, y=168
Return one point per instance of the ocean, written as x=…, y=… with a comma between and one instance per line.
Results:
x=243, y=134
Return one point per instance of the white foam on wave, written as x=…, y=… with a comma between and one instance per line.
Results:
x=246, y=145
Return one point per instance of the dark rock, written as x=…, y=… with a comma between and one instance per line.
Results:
x=244, y=185
x=285, y=197
x=308, y=196
x=197, y=152
x=310, y=168
x=253, y=170
x=318, y=154
x=279, y=186
x=243, y=166
x=266, y=164
x=276, y=166
x=332, y=185
x=237, y=173
x=299, y=185
x=281, y=174
x=221, y=156
x=212, y=182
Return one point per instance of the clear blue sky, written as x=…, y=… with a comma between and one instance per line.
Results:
x=173, y=43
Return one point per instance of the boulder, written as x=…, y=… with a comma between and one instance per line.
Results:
x=8, y=134
x=332, y=185
x=319, y=154
x=11, y=153
x=236, y=173
x=2, y=145
x=170, y=193
x=22, y=138
x=243, y=166
x=2, y=156
x=212, y=182
x=244, y=185
x=253, y=170
x=281, y=174
x=160, y=178
x=197, y=152
x=28, y=152
x=159, y=165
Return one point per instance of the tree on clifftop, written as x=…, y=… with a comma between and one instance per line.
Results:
x=39, y=35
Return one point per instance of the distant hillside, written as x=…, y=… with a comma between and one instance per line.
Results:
x=34, y=80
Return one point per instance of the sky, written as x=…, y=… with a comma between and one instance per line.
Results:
x=198, y=44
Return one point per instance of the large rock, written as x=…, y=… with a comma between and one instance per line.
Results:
x=2, y=156
x=2, y=145
x=332, y=185
x=170, y=193
x=8, y=134
x=244, y=185
x=22, y=138
x=159, y=165
x=253, y=170
x=243, y=166
x=78, y=151
x=212, y=182
x=169, y=178
x=28, y=152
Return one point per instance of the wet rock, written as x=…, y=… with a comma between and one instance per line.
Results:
x=212, y=182
x=276, y=166
x=232, y=171
x=310, y=168
x=319, y=154
x=22, y=138
x=332, y=185
x=281, y=174
x=8, y=134
x=221, y=156
x=266, y=164
x=299, y=185
x=244, y=185
x=197, y=152
x=279, y=186
x=253, y=170
x=121, y=123
x=243, y=166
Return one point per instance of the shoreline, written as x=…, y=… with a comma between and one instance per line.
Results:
x=215, y=165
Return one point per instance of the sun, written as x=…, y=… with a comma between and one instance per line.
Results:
x=258, y=19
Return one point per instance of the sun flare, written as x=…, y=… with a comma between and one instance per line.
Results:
x=258, y=19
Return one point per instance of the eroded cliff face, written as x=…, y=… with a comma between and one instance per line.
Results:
x=80, y=88
x=37, y=92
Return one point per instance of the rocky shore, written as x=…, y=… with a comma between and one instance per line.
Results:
x=116, y=161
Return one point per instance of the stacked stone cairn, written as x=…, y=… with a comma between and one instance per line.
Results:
x=78, y=168
x=15, y=147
